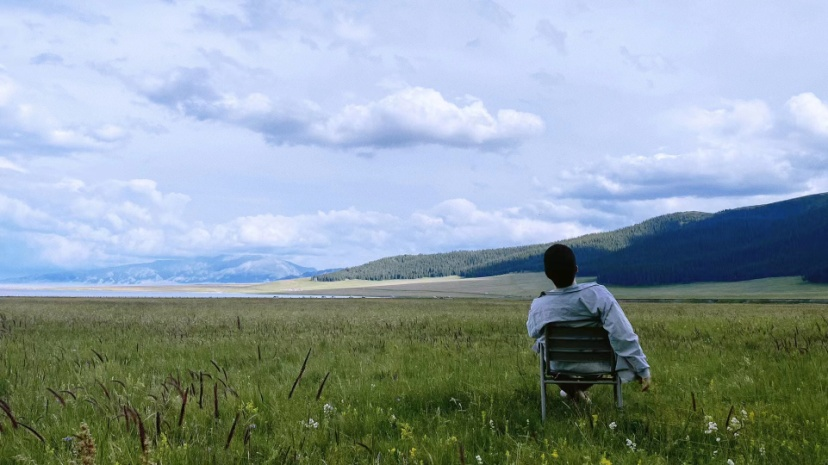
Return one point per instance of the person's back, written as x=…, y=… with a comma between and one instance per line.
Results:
x=586, y=304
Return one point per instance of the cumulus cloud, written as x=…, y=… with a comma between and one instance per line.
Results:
x=702, y=173
x=810, y=113
x=73, y=222
x=736, y=119
x=738, y=155
x=417, y=115
x=116, y=222
x=30, y=129
x=408, y=117
x=460, y=224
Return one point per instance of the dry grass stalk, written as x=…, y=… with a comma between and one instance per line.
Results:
x=729, y=416
x=301, y=372
x=32, y=430
x=100, y=357
x=7, y=409
x=232, y=431
x=105, y=390
x=176, y=383
x=183, y=409
x=126, y=417
x=218, y=368
x=157, y=425
x=200, y=390
x=322, y=386
x=57, y=396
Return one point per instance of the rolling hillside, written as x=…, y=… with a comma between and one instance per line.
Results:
x=780, y=239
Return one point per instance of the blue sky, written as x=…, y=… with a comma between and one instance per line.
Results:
x=333, y=133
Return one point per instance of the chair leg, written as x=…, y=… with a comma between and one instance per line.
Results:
x=619, y=400
x=543, y=392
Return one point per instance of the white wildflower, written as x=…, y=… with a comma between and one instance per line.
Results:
x=711, y=427
x=730, y=462
x=631, y=444
x=479, y=459
x=311, y=423
x=613, y=425
x=328, y=410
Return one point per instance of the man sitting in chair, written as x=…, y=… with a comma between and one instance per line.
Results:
x=585, y=304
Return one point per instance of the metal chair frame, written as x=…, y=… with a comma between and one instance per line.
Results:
x=577, y=344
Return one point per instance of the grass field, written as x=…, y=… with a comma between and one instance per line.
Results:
x=402, y=381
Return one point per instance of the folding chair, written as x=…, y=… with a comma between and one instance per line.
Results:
x=584, y=344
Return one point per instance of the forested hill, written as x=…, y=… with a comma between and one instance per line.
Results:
x=788, y=238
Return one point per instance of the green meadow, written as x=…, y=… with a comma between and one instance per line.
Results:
x=396, y=381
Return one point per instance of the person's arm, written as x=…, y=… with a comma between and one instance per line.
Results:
x=535, y=321
x=624, y=340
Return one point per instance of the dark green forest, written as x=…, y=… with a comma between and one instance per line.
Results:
x=780, y=239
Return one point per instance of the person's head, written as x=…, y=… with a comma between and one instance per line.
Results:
x=559, y=265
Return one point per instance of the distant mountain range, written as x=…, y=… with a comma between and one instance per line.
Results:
x=788, y=238
x=249, y=268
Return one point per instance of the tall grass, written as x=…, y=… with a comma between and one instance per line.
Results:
x=199, y=381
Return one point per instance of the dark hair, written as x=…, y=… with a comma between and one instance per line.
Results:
x=559, y=265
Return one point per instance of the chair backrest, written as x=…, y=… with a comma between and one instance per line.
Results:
x=578, y=344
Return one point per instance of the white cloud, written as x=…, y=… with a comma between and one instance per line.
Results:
x=460, y=224
x=417, y=115
x=810, y=113
x=738, y=155
x=128, y=221
x=734, y=119
x=15, y=213
x=6, y=164
x=31, y=130
x=411, y=116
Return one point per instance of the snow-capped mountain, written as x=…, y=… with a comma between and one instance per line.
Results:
x=247, y=268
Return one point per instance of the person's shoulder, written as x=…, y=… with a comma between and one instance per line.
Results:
x=595, y=288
